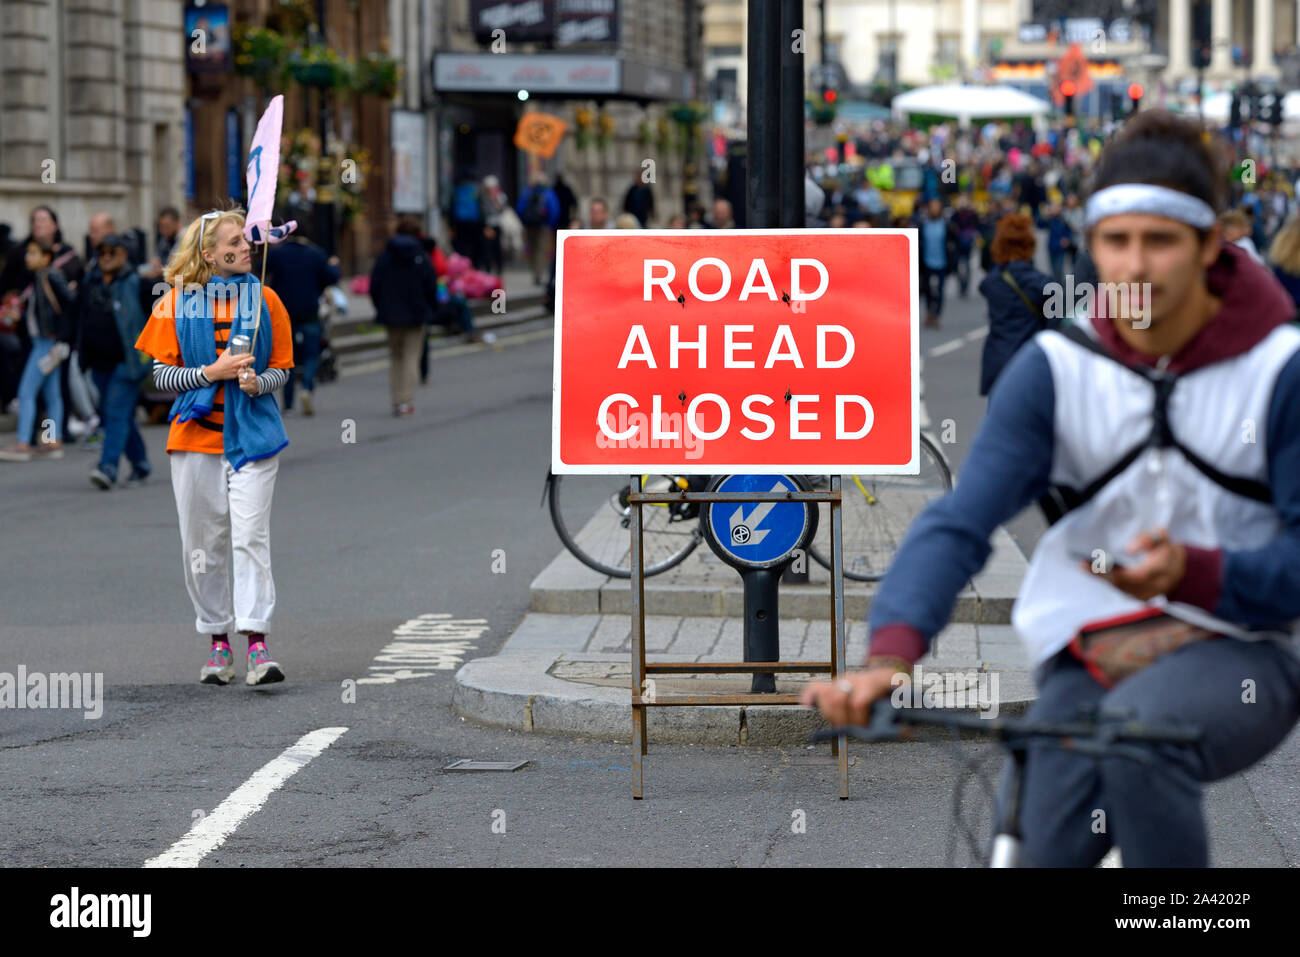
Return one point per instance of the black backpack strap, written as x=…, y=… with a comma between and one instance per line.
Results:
x=1245, y=487
x=1061, y=499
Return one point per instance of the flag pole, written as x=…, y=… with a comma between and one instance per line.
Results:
x=266, y=249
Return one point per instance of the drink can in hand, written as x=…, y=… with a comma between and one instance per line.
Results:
x=240, y=345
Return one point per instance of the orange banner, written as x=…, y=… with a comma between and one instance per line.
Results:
x=540, y=133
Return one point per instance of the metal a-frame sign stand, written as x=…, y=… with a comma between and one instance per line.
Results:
x=641, y=670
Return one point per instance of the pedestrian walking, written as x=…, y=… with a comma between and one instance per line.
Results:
x=224, y=442
x=43, y=226
x=1060, y=240
x=404, y=287
x=567, y=197
x=299, y=272
x=495, y=204
x=966, y=222
x=1015, y=292
x=939, y=246
x=110, y=321
x=466, y=217
x=48, y=328
x=640, y=201
x=539, y=211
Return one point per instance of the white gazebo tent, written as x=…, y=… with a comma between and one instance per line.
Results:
x=966, y=103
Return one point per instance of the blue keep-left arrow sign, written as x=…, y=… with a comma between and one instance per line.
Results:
x=764, y=532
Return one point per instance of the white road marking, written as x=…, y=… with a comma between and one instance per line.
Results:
x=247, y=799
x=977, y=334
x=951, y=345
x=425, y=645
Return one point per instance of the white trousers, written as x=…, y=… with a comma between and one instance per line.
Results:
x=226, y=540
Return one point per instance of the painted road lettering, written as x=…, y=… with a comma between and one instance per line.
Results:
x=424, y=646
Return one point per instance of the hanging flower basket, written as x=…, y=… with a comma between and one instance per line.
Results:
x=605, y=130
x=320, y=66
x=376, y=75
x=260, y=54
x=688, y=114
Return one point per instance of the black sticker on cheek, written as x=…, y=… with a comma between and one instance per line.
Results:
x=230, y=259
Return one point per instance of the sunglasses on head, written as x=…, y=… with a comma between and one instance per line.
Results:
x=203, y=224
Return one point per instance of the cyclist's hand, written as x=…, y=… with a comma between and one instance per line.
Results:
x=847, y=699
x=1159, y=572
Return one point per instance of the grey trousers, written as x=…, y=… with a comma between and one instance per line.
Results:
x=404, y=345
x=1243, y=695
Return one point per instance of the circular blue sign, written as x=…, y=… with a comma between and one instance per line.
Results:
x=758, y=534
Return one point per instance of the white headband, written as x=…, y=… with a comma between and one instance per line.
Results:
x=1146, y=198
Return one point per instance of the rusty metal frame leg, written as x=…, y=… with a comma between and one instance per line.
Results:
x=638, y=643
x=839, y=746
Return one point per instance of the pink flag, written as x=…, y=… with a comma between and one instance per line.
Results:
x=263, y=169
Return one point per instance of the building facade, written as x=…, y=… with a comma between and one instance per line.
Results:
x=620, y=73
x=892, y=43
x=344, y=196
x=92, y=111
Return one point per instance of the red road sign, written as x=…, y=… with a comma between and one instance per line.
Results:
x=736, y=350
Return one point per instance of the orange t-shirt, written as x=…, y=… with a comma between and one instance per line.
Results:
x=159, y=340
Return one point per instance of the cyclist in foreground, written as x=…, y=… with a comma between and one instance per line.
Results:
x=1198, y=507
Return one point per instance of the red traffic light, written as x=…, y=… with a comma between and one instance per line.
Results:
x=1135, y=91
x=1067, y=88
x=829, y=96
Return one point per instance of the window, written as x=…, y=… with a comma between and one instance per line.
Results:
x=949, y=45
x=725, y=51
x=724, y=86
x=886, y=56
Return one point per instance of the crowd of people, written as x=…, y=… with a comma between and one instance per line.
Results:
x=998, y=208
x=69, y=320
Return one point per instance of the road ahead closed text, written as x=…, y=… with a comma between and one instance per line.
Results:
x=718, y=350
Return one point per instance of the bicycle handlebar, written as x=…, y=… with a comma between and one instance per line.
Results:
x=1102, y=734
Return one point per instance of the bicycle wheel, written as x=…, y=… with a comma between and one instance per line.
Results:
x=877, y=510
x=594, y=520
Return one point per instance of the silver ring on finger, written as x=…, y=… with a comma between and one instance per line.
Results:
x=845, y=686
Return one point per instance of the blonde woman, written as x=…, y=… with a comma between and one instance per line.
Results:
x=224, y=442
x=1284, y=257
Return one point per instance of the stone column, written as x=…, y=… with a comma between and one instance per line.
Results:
x=1262, y=62
x=1221, y=36
x=969, y=54
x=1180, y=39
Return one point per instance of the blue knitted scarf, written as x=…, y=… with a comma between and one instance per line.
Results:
x=253, y=429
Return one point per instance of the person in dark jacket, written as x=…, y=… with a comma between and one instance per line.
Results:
x=110, y=320
x=47, y=325
x=404, y=288
x=44, y=228
x=1015, y=292
x=299, y=272
x=640, y=201
x=567, y=197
